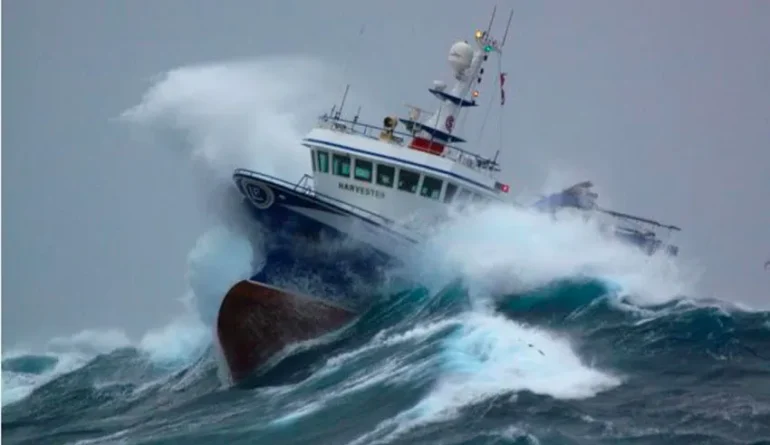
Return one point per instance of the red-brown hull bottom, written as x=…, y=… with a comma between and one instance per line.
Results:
x=256, y=321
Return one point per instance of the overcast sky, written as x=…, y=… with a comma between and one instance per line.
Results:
x=664, y=105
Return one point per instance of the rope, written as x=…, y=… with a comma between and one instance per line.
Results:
x=486, y=114
x=489, y=108
x=499, y=72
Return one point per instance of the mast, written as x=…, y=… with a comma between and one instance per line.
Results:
x=466, y=63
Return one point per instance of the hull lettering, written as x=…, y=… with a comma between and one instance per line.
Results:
x=364, y=191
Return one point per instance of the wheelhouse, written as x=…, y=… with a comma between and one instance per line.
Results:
x=392, y=176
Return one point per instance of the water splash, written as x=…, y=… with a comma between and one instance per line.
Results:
x=508, y=250
x=242, y=114
x=219, y=117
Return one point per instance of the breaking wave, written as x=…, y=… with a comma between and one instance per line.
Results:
x=523, y=329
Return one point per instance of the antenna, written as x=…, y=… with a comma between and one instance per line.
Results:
x=491, y=20
x=485, y=37
x=507, y=27
x=342, y=104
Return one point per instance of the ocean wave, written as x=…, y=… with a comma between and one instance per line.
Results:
x=523, y=330
x=394, y=376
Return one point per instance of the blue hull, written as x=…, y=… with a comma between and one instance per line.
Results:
x=299, y=246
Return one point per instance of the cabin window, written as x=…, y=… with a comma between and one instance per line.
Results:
x=323, y=161
x=363, y=170
x=431, y=187
x=341, y=165
x=312, y=160
x=385, y=175
x=451, y=190
x=408, y=180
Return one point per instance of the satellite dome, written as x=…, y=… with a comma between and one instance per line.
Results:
x=460, y=57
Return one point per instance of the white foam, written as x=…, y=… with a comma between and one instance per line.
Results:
x=362, y=373
x=389, y=338
x=228, y=115
x=491, y=356
x=241, y=114
x=304, y=409
x=503, y=249
x=177, y=344
x=173, y=346
x=221, y=257
x=71, y=352
x=90, y=342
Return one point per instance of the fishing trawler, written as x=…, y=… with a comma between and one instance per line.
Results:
x=375, y=188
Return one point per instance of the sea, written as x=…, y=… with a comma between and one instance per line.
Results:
x=506, y=342
x=504, y=327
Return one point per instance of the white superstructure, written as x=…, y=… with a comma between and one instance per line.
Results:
x=399, y=173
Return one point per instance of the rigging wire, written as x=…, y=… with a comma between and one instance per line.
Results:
x=486, y=114
x=489, y=108
x=500, y=116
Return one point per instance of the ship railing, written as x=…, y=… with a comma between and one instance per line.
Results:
x=303, y=186
x=453, y=152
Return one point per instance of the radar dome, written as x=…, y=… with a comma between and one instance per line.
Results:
x=460, y=57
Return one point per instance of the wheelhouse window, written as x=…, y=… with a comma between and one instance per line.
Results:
x=323, y=161
x=408, y=180
x=363, y=170
x=431, y=187
x=451, y=191
x=341, y=165
x=385, y=175
x=312, y=160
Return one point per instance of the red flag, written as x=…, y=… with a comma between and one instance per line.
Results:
x=502, y=91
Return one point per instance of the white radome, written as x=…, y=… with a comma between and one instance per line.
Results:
x=460, y=57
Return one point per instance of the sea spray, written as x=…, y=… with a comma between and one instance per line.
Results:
x=241, y=114
x=505, y=249
x=218, y=116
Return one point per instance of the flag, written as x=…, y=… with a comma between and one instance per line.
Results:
x=502, y=91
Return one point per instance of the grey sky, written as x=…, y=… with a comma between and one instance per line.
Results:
x=665, y=105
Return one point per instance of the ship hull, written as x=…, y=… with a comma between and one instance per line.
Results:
x=310, y=240
x=320, y=240
x=256, y=321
